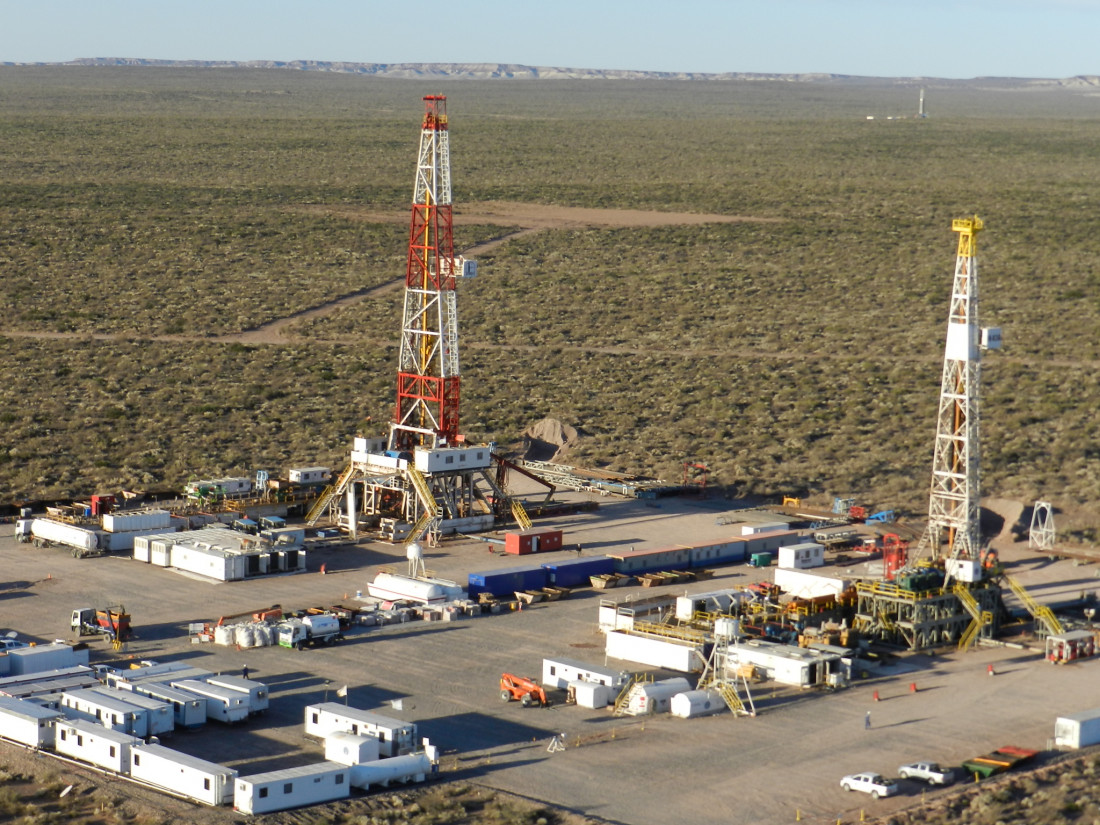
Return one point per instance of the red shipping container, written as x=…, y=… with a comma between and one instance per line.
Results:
x=532, y=541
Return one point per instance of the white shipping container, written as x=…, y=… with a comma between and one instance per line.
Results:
x=124, y=522
x=351, y=748
x=1077, y=730
x=655, y=651
x=141, y=549
x=802, y=556
x=394, y=736
x=292, y=788
x=181, y=774
x=592, y=695
x=223, y=704
x=561, y=672
x=212, y=563
x=257, y=693
x=95, y=744
x=43, y=658
x=108, y=711
x=28, y=722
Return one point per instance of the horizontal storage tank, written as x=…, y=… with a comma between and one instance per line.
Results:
x=507, y=581
x=27, y=722
x=1077, y=730
x=646, y=698
x=92, y=743
x=291, y=788
x=395, y=587
x=351, y=748
x=576, y=572
x=178, y=773
x=412, y=767
x=692, y=703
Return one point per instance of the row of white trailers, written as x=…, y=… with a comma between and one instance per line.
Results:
x=362, y=750
x=218, y=553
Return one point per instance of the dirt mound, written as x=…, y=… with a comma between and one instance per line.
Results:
x=999, y=517
x=548, y=440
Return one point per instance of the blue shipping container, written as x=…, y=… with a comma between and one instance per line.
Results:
x=505, y=582
x=575, y=572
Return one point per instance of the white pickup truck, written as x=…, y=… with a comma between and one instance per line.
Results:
x=929, y=772
x=871, y=783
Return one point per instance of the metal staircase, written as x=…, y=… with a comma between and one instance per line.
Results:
x=329, y=493
x=623, y=699
x=1040, y=612
x=520, y=512
x=980, y=618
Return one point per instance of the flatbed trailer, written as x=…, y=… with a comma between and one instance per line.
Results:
x=999, y=761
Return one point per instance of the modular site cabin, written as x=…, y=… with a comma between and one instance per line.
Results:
x=291, y=788
x=27, y=722
x=394, y=736
x=188, y=709
x=178, y=773
x=91, y=742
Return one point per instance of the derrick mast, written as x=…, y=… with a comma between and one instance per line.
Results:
x=427, y=372
x=953, y=506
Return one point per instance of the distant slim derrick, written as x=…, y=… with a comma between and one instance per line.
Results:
x=428, y=372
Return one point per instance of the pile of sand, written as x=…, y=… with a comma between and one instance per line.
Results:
x=548, y=440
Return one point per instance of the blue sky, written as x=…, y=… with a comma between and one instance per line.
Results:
x=933, y=38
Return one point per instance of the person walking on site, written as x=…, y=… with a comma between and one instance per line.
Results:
x=867, y=721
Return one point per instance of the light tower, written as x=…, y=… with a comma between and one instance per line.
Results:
x=427, y=371
x=953, y=506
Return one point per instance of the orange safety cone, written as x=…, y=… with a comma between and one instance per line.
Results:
x=912, y=687
x=876, y=695
x=991, y=671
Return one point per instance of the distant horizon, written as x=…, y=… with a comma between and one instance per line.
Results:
x=1041, y=39
x=297, y=63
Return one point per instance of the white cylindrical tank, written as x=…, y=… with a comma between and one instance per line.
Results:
x=693, y=703
x=412, y=767
x=394, y=587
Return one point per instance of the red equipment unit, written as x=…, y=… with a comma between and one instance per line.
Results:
x=895, y=554
x=532, y=541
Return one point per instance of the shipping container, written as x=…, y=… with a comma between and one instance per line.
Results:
x=802, y=556
x=222, y=704
x=351, y=748
x=291, y=788
x=655, y=651
x=28, y=722
x=591, y=695
x=632, y=562
x=692, y=703
x=92, y=743
x=188, y=709
x=758, y=529
x=129, y=521
x=42, y=658
x=111, y=712
x=183, y=775
x=451, y=459
x=521, y=543
x=394, y=736
x=161, y=718
x=1077, y=730
x=576, y=572
x=257, y=693
x=506, y=581
x=713, y=601
x=560, y=672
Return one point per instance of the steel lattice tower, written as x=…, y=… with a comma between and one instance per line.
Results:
x=953, y=505
x=428, y=374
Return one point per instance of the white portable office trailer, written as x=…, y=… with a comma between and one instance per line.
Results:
x=257, y=693
x=161, y=719
x=179, y=773
x=164, y=672
x=188, y=709
x=800, y=667
x=394, y=736
x=351, y=748
x=27, y=722
x=91, y=742
x=40, y=658
x=224, y=704
x=1077, y=730
x=292, y=788
x=560, y=672
x=52, y=681
x=106, y=710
